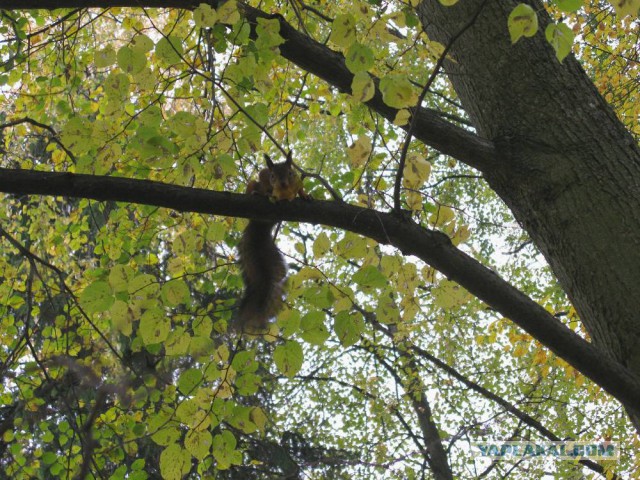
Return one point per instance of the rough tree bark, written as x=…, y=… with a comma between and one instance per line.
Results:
x=568, y=169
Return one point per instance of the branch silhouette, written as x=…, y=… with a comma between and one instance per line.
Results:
x=432, y=247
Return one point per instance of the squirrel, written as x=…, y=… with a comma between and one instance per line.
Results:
x=263, y=267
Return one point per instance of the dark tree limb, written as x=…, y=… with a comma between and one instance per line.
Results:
x=410, y=238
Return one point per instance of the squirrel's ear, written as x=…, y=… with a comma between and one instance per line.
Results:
x=289, y=159
x=268, y=160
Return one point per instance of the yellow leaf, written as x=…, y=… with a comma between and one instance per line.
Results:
x=540, y=357
x=228, y=12
x=397, y=91
x=258, y=417
x=442, y=216
x=522, y=22
x=416, y=171
x=414, y=201
x=343, y=30
x=402, y=117
x=222, y=354
x=362, y=87
x=204, y=16
x=461, y=235
x=359, y=151
x=520, y=350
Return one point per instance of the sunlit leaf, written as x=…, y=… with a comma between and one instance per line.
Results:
x=348, y=327
x=174, y=462
x=397, y=91
x=223, y=447
x=359, y=58
x=204, y=16
x=313, y=328
x=288, y=358
x=154, y=326
x=370, y=276
x=561, y=39
x=522, y=22
x=362, y=86
x=343, y=30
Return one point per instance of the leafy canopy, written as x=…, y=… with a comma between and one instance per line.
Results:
x=115, y=343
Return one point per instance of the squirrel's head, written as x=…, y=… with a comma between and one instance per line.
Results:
x=282, y=174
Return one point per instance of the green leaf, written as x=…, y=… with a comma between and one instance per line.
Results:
x=119, y=277
x=448, y=294
x=49, y=458
x=288, y=358
x=348, y=327
x=239, y=419
x=121, y=317
x=397, y=91
x=216, y=231
x=204, y=16
x=343, y=30
x=268, y=33
x=228, y=12
x=362, y=87
x=175, y=462
x=244, y=361
x=185, y=124
x=370, y=276
x=143, y=285
x=248, y=384
x=321, y=245
x=189, y=380
x=97, y=297
x=561, y=39
x=169, y=50
x=569, y=5
x=154, y=326
x=163, y=431
x=522, y=22
x=359, y=58
x=142, y=43
x=224, y=450
x=131, y=61
x=198, y=443
x=175, y=292
x=105, y=57
x=177, y=342
x=289, y=322
x=319, y=296
x=313, y=328
x=626, y=7
x=117, y=85
x=77, y=135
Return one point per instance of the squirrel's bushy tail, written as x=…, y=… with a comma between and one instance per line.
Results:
x=263, y=272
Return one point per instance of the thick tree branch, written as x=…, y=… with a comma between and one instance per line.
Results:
x=432, y=247
x=318, y=59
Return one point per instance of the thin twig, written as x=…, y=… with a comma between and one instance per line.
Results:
x=432, y=77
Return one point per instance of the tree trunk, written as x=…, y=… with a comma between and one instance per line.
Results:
x=568, y=169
